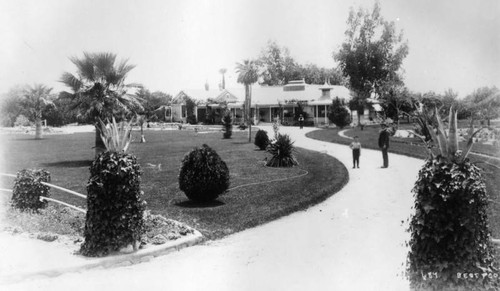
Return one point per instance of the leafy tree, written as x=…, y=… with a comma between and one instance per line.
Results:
x=371, y=55
x=338, y=114
x=248, y=74
x=312, y=74
x=59, y=114
x=99, y=90
x=10, y=107
x=279, y=66
x=35, y=100
x=396, y=102
x=484, y=103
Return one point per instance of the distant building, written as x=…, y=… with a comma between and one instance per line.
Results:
x=268, y=103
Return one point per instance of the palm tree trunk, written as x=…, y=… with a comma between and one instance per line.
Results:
x=143, y=139
x=248, y=93
x=38, y=128
x=99, y=144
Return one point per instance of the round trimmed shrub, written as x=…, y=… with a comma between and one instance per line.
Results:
x=261, y=139
x=28, y=189
x=115, y=207
x=203, y=175
x=449, y=230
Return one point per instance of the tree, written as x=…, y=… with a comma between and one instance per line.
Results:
x=312, y=74
x=10, y=107
x=223, y=83
x=248, y=74
x=484, y=103
x=99, y=91
x=35, y=100
x=338, y=114
x=279, y=66
x=372, y=53
x=396, y=102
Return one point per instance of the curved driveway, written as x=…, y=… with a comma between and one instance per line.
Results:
x=352, y=241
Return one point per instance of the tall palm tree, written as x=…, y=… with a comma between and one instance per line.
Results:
x=248, y=74
x=223, y=72
x=99, y=89
x=35, y=100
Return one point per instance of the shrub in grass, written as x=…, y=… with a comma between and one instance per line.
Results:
x=28, y=189
x=338, y=114
x=449, y=230
x=203, y=175
x=227, y=121
x=282, y=150
x=114, y=202
x=261, y=139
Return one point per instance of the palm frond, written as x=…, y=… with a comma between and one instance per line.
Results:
x=71, y=81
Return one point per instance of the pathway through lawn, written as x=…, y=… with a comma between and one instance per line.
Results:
x=352, y=241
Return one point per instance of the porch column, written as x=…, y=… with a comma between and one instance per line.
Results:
x=270, y=114
x=326, y=117
x=316, y=116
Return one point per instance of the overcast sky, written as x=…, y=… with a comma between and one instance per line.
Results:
x=181, y=44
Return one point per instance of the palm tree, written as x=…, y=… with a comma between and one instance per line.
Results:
x=248, y=75
x=35, y=100
x=99, y=89
x=223, y=72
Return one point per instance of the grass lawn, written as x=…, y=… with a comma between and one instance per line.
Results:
x=369, y=139
x=67, y=158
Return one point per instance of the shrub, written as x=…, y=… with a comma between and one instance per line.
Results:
x=28, y=189
x=449, y=230
x=338, y=114
x=114, y=202
x=261, y=139
x=242, y=126
x=282, y=152
x=21, y=120
x=203, y=175
x=227, y=121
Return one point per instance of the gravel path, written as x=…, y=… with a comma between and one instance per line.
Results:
x=352, y=241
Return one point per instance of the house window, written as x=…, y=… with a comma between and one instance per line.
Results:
x=184, y=111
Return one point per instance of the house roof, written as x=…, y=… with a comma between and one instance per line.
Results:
x=269, y=95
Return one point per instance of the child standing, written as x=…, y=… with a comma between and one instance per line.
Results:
x=356, y=152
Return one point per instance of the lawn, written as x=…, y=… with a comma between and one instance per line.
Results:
x=257, y=193
x=414, y=148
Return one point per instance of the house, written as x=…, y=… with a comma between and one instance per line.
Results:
x=267, y=104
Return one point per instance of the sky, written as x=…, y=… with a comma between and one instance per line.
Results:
x=182, y=44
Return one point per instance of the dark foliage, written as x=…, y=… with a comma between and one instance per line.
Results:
x=227, y=122
x=203, y=175
x=282, y=152
x=28, y=189
x=338, y=114
x=261, y=139
x=115, y=206
x=242, y=126
x=190, y=107
x=449, y=230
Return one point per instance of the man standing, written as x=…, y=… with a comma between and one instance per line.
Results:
x=301, y=121
x=383, y=143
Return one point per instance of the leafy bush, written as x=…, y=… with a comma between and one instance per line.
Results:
x=227, y=121
x=338, y=114
x=261, y=139
x=449, y=231
x=28, y=189
x=115, y=207
x=242, y=126
x=282, y=152
x=21, y=120
x=203, y=175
